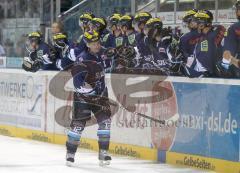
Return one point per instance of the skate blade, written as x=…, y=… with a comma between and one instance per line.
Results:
x=69, y=164
x=104, y=163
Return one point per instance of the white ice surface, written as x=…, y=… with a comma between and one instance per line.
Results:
x=26, y=156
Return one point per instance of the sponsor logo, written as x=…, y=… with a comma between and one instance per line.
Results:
x=5, y=132
x=196, y=163
x=217, y=122
x=204, y=46
x=125, y=151
x=39, y=137
x=86, y=145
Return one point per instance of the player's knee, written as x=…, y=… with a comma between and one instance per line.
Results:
x=74, y=135
x=73, y=141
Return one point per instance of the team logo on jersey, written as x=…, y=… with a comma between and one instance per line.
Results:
x=119, y=41
x=204, y=46
x=131, y=38
x=40, y=53
x=162, y=50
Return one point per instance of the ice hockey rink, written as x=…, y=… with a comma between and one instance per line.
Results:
x=25, y=156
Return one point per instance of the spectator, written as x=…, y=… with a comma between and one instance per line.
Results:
x=11, y=9
x=57, y=27
x=2, y=51
x=9, y=46
x=1, y=12
x=20, y=48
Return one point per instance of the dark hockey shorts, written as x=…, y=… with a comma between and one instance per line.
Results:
x=82, y=110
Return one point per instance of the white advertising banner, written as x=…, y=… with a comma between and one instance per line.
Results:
x=22, y=100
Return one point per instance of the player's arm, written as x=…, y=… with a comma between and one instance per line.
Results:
x=230, y=47
x=67, y=61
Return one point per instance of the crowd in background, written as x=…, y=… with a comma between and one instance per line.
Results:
x=8, y=49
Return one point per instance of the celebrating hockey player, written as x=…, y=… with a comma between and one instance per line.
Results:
x=89, y=71
x=139, y=22
x=230, y=62
x=84, y=23
x=113, y=39
x=128, y=33
x=153, y=50
x=41, y=55
x=189, y=40
x=202, y=64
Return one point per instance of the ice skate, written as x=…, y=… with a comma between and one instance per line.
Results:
x=104, y=158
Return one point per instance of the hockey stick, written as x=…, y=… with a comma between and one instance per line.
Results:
x=163, y=122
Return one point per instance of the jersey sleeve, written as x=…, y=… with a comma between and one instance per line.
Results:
x=182, y=46
x=230, y=41
x=45, y=52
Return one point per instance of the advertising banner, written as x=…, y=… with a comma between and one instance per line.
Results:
x=211, y=116
x=22, y=101
x=14, y=62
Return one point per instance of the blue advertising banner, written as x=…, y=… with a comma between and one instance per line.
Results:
x=14, y=62
x=210, y=120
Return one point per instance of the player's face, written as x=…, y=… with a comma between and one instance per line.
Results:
x=93, y=27
x=113, y=28
x=200, y=27
x=84, y=25
x=193, y=25
x=94, y=47
x=145, y=31
x=139, y=28
x=124, y=29
x=33, y=44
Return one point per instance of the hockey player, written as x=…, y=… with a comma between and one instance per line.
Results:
x=189, y=40
x=84, y=23
x=128, y=34
x=84, y=20
x=99, y=24
x=152, y=50
x=61, y=45
x=113, y=39
x=208, y=47
x=93, y=76
x=139, y=22
x=230, y=62
x=41, y=55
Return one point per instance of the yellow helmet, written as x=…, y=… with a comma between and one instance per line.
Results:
x=188, y=16
x=142, y=17
x=91, y=36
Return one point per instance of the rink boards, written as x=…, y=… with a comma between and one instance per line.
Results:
x=203, y=114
